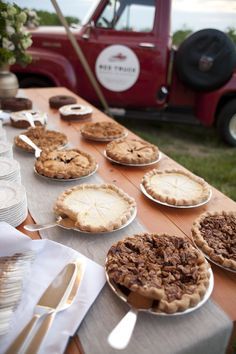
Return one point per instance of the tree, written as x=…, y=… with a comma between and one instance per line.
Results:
x=180, y=35
x=51, y=19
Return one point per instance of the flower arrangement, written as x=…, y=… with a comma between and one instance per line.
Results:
x=14, y=39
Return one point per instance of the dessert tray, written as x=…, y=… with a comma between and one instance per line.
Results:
x=143, y=190
x=66, y=179
x=134, y=164
x=121, y=294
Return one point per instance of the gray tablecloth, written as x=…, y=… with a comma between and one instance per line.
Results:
x=206, y=330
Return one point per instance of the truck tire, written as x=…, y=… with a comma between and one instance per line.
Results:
x=206, y=60
x=226, y=123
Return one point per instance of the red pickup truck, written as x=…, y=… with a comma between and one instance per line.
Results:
x=136, y=66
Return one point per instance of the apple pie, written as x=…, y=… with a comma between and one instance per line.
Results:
x=132, y=151
x=176, y=187
x=169, y=270
x=43, y=138
x=104, y=131
x=215, y=234
x=65, y=164
x=96, y=207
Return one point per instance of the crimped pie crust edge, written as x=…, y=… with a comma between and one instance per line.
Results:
x=60, y=209
x=203, y=245
x=171, y=200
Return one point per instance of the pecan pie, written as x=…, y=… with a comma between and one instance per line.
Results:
x=65, y=164
x=105, y=131
x=167, y=269
x=176, y=187
x=43, y=138
x=215, y=234
x=96, y=207
x=132, y=151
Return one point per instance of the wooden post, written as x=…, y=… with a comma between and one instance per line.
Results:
x=81, y=57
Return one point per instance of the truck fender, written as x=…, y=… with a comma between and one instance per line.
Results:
x=208, y=105
x=52, y=65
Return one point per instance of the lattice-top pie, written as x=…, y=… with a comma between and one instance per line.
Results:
x=176, y=187
x=167, y=269
x=96, y=207
x=132, y=151
x=65, y=164
x=104, y=131
x=215, y=234
x=43, y=138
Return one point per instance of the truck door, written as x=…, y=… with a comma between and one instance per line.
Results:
x=124, y=49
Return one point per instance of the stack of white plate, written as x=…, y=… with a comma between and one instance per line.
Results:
x=13, y=203
x=3, y=135
x=6, y=149
x=9, y=170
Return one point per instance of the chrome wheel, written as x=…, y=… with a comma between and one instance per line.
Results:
x=232, y=126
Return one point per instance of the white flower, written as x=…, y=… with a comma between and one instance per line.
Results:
x=11, y=61
x=4, y=14
x=10, y=30
x=21, y=17
x=32, y=13
x=11, y=10
x=7, y=44
x=26, y=43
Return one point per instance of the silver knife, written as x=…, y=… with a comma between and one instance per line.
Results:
x=52, y=300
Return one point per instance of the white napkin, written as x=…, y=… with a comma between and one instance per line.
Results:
x=50, y=258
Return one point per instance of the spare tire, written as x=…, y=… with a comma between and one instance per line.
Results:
x=206, y=60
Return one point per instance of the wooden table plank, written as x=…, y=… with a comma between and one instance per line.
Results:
x=153, y=216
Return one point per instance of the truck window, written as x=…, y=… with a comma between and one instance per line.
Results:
x=128, y=15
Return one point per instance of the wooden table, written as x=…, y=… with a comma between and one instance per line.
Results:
x=154, y=217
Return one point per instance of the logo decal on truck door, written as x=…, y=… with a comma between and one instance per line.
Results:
x=117, y=68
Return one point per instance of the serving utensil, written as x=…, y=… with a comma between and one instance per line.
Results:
x=30, y=119
x=28, y=141
x=120, y=336
x=64, y=222
x=57, y=297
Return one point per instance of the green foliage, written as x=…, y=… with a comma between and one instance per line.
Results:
x=231, y=32
x=180, y=35
x=14, y=40
x=51, y=19
x=197, y=148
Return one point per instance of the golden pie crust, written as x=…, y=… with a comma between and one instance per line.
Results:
x=169, y=270
x=132, y=151
x=215, y=234
x=105, y=130
x=65, y=164
x=176, y=187
x=43, y=138
x=96, y=207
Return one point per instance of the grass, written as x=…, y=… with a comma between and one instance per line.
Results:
x=197, y=148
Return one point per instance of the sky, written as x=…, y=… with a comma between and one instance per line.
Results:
x=193, y=14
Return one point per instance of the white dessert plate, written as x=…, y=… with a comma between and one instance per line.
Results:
x=134, y=164
x=171, y=205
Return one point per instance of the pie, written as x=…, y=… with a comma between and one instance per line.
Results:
x=176, y=187
x=43, y=138
x=169, y=270
x=65, y=164
x=105, y=130
x=215, y=234
x=96, y=207
x=24, y=119
x=75, y=112
x=132, y=151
